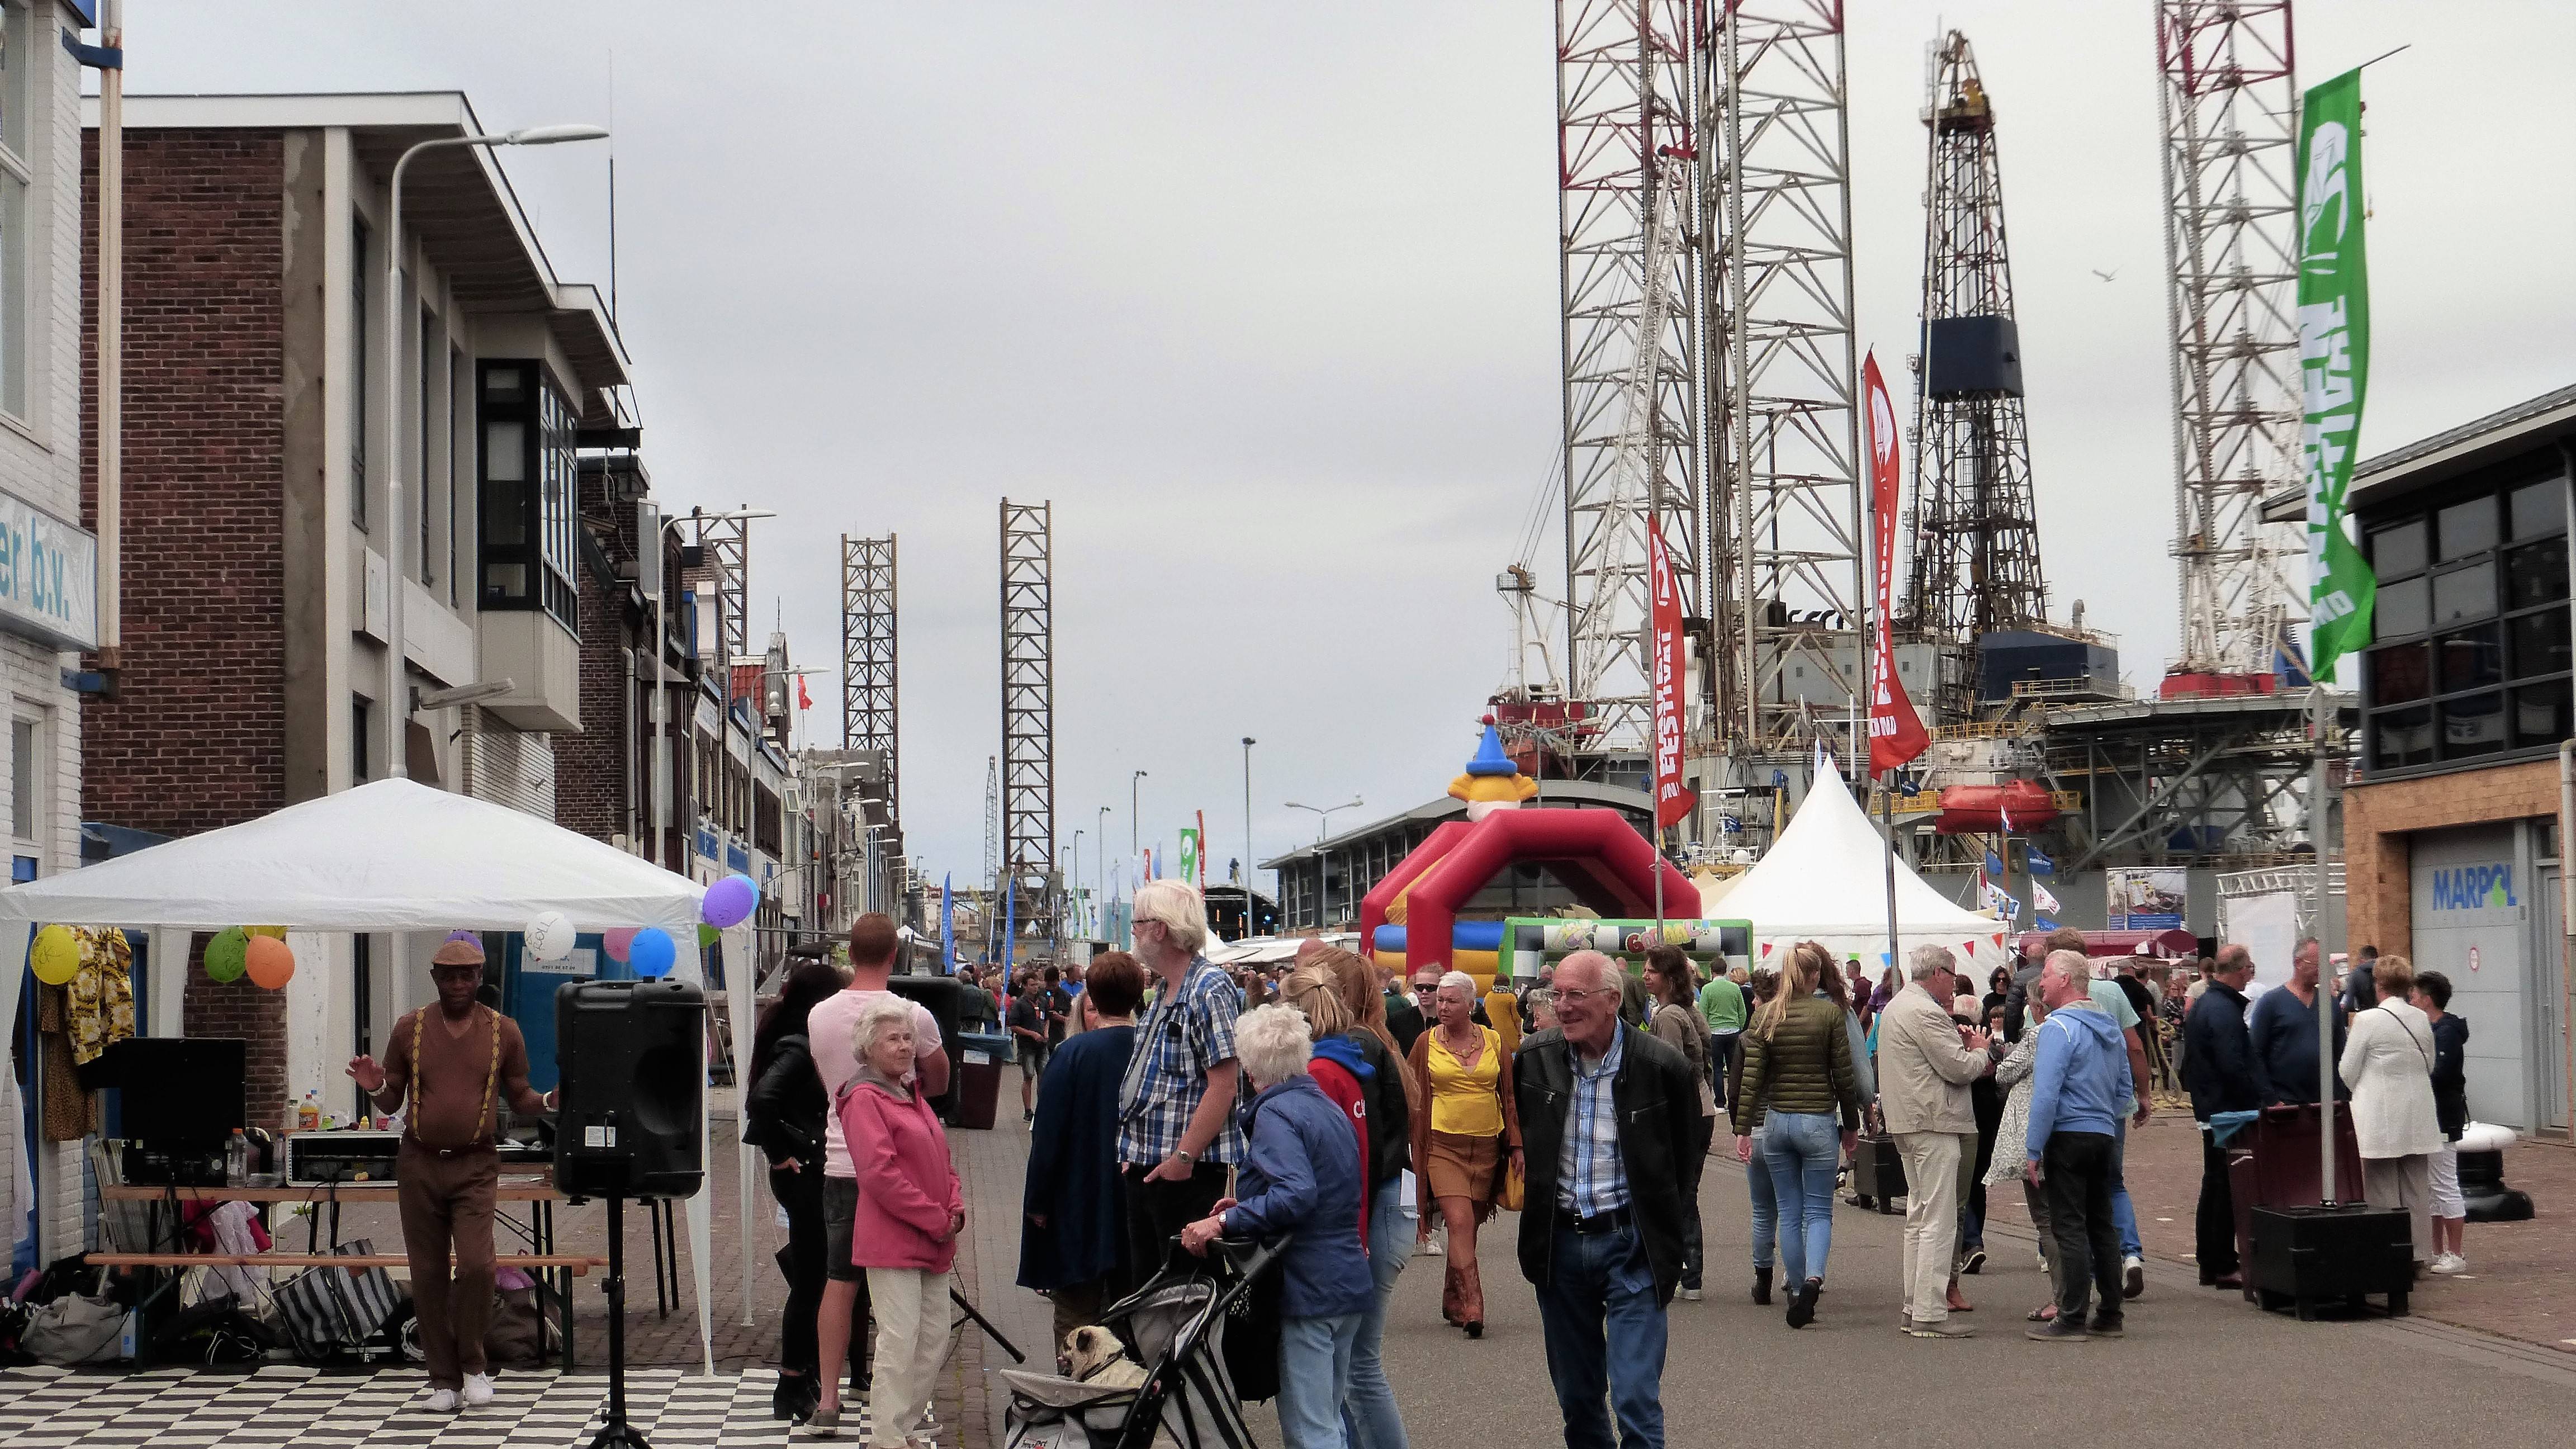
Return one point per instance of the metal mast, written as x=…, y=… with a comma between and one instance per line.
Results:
x=727, y=545
x=1628, y=280
x=1784, y=370
x=1028, y=709
x=993, y=831
x=1976, y=538
x=868, y=694
x=2228, y=99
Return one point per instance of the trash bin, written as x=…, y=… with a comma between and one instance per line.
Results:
x=981, y=1058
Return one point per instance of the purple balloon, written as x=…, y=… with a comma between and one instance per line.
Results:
x=730, y=901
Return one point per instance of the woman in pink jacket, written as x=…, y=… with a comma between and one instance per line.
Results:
x=910, y=1213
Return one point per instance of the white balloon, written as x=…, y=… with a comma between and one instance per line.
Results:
x=549, y=937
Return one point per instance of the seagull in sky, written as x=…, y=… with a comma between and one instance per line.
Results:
x=2106, y=276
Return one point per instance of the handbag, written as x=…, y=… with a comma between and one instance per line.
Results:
x=75, y=1328
x=1511, y=1184
x=329, y=1309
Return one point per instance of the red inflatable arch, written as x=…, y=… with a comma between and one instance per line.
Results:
x=1595, y=853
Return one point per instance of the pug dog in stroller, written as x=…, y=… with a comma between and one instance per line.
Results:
x=1093, y=1355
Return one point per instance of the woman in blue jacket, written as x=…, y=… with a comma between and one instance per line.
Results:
x=1301, y=1177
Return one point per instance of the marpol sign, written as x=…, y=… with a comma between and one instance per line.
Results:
x=2474, y=888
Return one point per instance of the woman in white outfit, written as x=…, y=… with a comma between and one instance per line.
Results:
x=2388, y=1062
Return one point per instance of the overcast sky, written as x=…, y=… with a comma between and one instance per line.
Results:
x=1265, y=299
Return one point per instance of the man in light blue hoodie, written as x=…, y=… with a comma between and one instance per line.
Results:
x=2077, y=1084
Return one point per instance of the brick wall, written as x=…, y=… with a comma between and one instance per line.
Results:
x=195, y=739
x=2379, y=900
x=591, y=767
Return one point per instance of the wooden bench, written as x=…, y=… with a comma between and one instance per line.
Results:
x=575, y=1265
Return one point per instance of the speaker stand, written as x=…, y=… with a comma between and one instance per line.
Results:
x=616, y=1433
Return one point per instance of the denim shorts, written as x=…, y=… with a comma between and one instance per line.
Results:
x=840, y=1212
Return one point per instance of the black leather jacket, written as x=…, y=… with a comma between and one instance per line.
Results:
x=1658, y=1104
x=783, y=1116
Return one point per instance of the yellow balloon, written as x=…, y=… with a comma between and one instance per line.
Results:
x=274, y=933
x=55, y=956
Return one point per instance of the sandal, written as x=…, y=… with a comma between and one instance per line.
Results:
x=2045, y=1313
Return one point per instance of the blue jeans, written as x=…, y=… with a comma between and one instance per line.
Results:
x=2123, y=1216
x=1314, y=1371
x=1369, y=1414
x=1803, y=1148
x=1766, y=1203
x=1598, y=1308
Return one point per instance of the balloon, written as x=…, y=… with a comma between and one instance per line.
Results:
x=273, y=932
x=651, y=952
x=730, y=901
x=56, y=956
x=707, y=936
x=228, y=955
x=619, y=943
x=549, y=936
x=270, y=964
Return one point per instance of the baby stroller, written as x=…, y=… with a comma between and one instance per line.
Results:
x=1175, y=1327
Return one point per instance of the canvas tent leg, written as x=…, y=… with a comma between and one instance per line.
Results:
x=169, y=981
x=742, y=994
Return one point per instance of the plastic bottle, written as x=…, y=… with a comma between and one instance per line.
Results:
x=237, y=1159
x=308, y=1118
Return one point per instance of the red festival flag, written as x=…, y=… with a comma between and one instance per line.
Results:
x=1673, y=799
x=1896, y=735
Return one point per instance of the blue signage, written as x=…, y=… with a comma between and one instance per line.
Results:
x=2474, y=887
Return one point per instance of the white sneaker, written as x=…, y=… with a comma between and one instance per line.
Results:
x=2450, y=1263
x=478, y=1390
x=442, y=1401
x=2133, y=1276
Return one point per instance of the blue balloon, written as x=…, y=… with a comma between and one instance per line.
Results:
x=652, y=952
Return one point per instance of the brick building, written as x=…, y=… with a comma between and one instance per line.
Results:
x=264, y=416
x=48, y=562
x=2452, y=835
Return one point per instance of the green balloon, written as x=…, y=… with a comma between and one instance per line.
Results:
x=228, y=954
x=707, y=936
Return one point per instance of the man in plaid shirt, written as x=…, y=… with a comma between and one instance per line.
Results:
x=1176, y=1129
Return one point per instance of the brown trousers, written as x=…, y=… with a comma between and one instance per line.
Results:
x=447, y=1206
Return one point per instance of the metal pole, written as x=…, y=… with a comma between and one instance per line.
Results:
x=2318, y=819
x=111, y=344
x=1248, y=743
x=1134, y=845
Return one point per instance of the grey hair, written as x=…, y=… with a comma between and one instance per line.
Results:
x=1609, y=969
x=1177, y=905
x=1928, y=961
x=2234, y=957
x=874, y=1018
x=2071, y=965
x=1461, y=980
x=1274, y=1043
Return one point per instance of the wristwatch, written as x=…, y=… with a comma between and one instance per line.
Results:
x=1186, y=1156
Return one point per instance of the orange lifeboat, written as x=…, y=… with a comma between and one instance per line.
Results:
x=1980, y=809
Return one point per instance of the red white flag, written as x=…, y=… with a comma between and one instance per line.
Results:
x=1673, y=799
x=1896, y=735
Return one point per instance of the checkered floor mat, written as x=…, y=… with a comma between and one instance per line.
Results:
x=275, y=1407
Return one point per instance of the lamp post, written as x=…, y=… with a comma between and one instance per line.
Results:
x=1133, y=845
x=396, y=705
x=1100, y=863
x=1075, y=894
x=1248, y=743
x=1324, y=863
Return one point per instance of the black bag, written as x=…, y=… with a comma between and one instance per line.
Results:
x=1878, y=1172
x=215, y=1331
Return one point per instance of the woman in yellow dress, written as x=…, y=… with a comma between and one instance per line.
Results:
x=1461, y=1146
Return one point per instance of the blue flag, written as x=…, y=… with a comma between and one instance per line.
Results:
x=948, y=927
x=2038, y=863
x=1995, y=867
x=1011, y=926
x=2043, y=923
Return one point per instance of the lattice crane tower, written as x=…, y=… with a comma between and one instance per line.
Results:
x=2228, y=99
x=1976, y=563
x=1028, y=708
x=1627, y=200
x=1783, y=370
x=726, y=543
x=869, y=697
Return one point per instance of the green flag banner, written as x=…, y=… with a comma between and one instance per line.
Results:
x=2334, y=363
x=1189, y=855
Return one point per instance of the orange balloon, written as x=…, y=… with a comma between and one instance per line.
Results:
x=272, y=965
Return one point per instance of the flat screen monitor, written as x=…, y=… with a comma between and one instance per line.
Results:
x=182, y=1091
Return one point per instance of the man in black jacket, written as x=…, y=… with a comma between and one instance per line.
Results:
x=2218, y=1071
x=1610, y=1117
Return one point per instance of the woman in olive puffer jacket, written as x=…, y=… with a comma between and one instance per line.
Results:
x=1798, y=1077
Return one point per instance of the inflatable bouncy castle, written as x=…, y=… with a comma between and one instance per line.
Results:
x=1410, y=918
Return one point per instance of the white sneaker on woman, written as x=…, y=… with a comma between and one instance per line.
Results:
x=478, y=1390
x=2450, y=1263
x=441, y=1401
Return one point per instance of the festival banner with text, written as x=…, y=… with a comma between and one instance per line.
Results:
x=1896, y=735
x=2334, y=363
x=1673, y=798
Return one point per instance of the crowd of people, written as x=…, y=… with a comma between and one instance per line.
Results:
x=1172, y=1103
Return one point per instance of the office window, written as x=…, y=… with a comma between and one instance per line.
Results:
x=2470, y=652
x=432, y=355
x=458, y=385
x=26, y=780
x=358, y=731
x=20, y=57
x=359, y=355
x=526, y=493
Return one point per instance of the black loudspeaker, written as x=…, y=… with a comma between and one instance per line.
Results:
x=631, y=1105
x=945, y=997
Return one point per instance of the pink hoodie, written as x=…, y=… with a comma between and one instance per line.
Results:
x=907, y=1187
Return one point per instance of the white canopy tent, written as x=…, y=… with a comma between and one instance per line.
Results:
x=392, y=856
x=1825, y=880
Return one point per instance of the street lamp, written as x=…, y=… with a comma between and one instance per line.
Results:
x=1323, y=863
x=397, y=716
x=1133, y=846
x=1076, y=873
x=1248, y=743
x=1100, y=864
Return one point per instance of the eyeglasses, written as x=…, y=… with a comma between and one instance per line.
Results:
x=1567, y=993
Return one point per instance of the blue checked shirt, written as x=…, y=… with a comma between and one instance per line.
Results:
x=1590, y=1177
x=1187, y=1032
